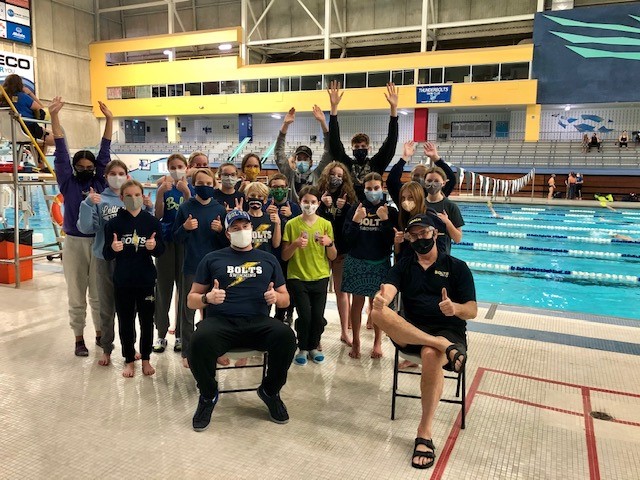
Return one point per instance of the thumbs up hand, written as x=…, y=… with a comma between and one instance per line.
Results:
x=379, y=300
x=216, y=225
x=302, y=240
x=150, y=244
x=383, y=212
x=285, y=210
x=398, y=236
x=271, y=207
x=146, y=201
x=94, y=197
x=360, y=214
x=340, y=202
x=217, y=295
x=446, y=305
x=190, y=223
x=116, y=245
x=270, y=296
x=326, y=199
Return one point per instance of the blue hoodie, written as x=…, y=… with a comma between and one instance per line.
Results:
x=92, y=218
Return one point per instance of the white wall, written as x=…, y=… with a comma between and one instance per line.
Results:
x=616, y=119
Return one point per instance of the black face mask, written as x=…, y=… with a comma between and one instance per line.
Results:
x=85, y=176
x=423, y=245
x=360, y=154
x=255, y=203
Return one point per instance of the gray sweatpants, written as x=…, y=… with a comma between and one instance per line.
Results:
x=169, y=267
x=187, y=318
x=79, y=267
x=105, y=270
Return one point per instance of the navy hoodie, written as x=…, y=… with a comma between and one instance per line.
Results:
x=134, y=266
x=372, y=239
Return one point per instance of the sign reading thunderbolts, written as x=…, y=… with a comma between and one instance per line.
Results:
x=433, y=94
x=19, y=64
x=587, y=55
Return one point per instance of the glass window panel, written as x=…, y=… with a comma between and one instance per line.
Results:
x=515, y=71
x=274, y=84
x=378, y=79
x=295, y=84
x=396, y=77
x=114, y=93
x=284, y=84
x=436, y=75
x=128, y=92
x=211, y=88
x=229, y=87
x=339, y=77
x=409, y=77
x=311, y=82
x=264, y=85
x=356, y=80
x=423, y=76
x=193, y=88
x=249, y=86
x=457, y=74
x=484, y=73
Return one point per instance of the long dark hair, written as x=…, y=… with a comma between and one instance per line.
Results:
x=13, y=84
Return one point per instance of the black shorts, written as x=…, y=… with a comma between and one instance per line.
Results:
x=36, y=130
x=454, y=335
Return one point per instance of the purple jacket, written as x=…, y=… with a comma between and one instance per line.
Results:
x=74, y=192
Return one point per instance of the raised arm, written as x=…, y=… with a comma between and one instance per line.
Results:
x=431, y=151
x=381, y=160
x=62, y=161
x=394, y=180
x=282, y=161
x=104, y=154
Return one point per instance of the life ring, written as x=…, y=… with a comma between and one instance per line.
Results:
x=56, y=209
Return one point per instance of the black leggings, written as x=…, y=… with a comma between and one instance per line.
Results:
x=128, y=301
x=311, y=299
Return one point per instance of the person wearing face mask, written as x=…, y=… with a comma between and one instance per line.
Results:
x=250, y=168
x=336, y=201
x=237, y=286
x=75, y=179
x=95, y=211
x=308, y=246
x=360, y=165
x=298, y=169
x=439, y=296
x=198, y=227
x=368, y=230
x=266, y=226
x=227, y=195
x=131, y=239
x=172, y=192
x=419, y=172
x=447, y=210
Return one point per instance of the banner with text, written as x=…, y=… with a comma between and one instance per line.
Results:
x=433, y=94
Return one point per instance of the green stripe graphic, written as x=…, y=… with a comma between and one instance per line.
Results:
x=627, y=41
x=595, y=53
x=601, y=26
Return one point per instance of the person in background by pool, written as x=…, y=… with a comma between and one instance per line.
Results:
x=75, y=179
x=623, y=140
x=250, y=168
x=419, y=172
x=571, y=186
x=494, y=214
x=551, y=183
x=595, y=142
x=579, y=182
x=585, y=143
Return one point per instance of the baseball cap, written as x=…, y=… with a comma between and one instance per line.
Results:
x=303, y=149
x=234, y=215
x=428, y=219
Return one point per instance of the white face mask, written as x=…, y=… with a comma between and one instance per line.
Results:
x=241, y=238
x=116, y=181
x=309, y=208
x=408, y=205
x=177, y=174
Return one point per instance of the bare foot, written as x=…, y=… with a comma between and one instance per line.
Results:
x=147, y=369
x=345, y=339
x=137, y=356
x=105, y=360
x=377, y=351
x=241, y=362
x=319, y=347
x=407, y=364
x=185, y=362
x=355, y=350
x=224, y=361
x=128, y=371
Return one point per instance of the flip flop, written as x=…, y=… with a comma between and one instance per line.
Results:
x=430, y=455
x=461, y=351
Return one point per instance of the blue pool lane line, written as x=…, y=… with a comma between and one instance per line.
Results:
x=555, y=227
x=494, y=247
x=558, y=237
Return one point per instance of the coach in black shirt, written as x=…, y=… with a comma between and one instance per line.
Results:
x=237, y=286
x=438, y=296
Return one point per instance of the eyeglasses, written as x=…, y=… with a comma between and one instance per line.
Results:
x=426, y=233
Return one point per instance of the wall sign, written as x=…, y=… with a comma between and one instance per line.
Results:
x=22, y=65
x=433, y=94
x=15, y=21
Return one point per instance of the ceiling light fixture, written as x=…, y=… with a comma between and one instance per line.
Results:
x=224, y=47
x=277, y=116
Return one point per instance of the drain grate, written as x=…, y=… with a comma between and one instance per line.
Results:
x=601, y=416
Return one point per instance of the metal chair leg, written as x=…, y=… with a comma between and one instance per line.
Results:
x=395, y=385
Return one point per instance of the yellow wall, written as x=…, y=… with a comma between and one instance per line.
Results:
x=507, y=93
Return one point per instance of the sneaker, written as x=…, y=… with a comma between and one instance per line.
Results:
x=202, y=417
x=81, y=350
x=277, y=410
x=301, y=358
x=178, y=345
x=317, y=356
x=160, y=345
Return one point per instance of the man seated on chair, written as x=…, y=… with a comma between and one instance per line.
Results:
x=438, y=296
x=237, y=286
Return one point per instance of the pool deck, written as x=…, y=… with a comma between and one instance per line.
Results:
x=533, y=379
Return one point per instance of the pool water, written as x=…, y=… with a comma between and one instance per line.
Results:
x=557, y=258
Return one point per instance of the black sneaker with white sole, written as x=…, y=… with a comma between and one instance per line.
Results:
x=202, y=417
x=277, y=410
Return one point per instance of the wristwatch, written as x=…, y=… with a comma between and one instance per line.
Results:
x=204, y=300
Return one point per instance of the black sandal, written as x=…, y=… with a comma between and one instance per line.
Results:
x=418, y=453
x=461, y=351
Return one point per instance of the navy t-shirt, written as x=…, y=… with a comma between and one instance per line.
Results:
x=263, y=231
x=172, y=200
x=228, y=200
x=422, y=289
x=245, y=276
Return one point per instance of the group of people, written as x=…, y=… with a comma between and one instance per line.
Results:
x=596, y=142
x=235, y=248
x=573, y=185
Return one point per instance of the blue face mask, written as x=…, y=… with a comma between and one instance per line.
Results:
x=205, y=192
x=302, y=167
x=374, y=196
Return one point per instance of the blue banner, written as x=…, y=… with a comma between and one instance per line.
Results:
x=433, y=94
x=18, y=33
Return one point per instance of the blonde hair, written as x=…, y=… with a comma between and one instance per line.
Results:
x=131, y=183
x=256, y=188
x=115, y=163
x=194, y=155
x=437, y=170
x=177, y=156
x=206, y=171
x=417, y=192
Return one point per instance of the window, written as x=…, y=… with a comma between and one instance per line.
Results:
x=211, y=88
x=402, y=77
x=128, y=92
x=339, y=77
x=159, y=91
x=193, y=88
x=515, y=71
x=427, y=76
x=457, y=74
x=379, y=79
x=274, y=84
x=356, y=80
x=229, y=87
x=264, y=85
x=485, y=73
x=436, y=75
x=176, y=90
x=249, y=86
x=284, y=84
x=295, y=84
x=312, y=82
